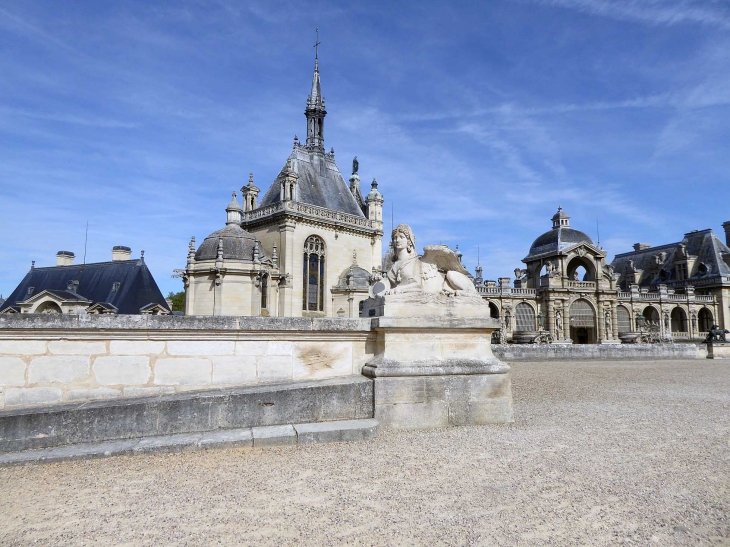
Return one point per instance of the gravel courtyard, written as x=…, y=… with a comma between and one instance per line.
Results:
x=601, y=453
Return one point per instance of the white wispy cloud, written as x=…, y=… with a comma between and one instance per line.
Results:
x=653, y=12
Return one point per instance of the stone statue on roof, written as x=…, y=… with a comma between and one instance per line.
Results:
x=355, y=165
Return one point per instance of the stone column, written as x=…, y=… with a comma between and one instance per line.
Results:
x=286, y=244
x=600, y=319
x=551, y=318
x=566, y=319
x=614, y=315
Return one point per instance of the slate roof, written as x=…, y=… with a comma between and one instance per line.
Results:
x=320, y=182
x=137, y=287
x=704, y=244
x=557, y=239
x=238, y=244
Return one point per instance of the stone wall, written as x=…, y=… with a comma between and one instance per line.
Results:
x=548, y=352
x=60, y=358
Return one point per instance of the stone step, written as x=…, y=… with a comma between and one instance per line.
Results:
x=251, y=437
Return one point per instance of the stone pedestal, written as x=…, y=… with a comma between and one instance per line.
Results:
x=437, y=370
x=718, y=350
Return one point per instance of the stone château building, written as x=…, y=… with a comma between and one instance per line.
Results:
x=568, y=289
x=307, y=248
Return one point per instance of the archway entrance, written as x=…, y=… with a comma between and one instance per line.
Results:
x=651, y=314
x=493, y=311
x=582, y=323
x=705, y=320
x=679, y=321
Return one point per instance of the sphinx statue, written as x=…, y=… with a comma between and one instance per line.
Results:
x=438, y=271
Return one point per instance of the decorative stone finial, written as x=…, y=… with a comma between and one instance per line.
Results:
x=355, y=165
x=250, y=179
x=142, y=257
x=274, y=255
x=32, y=264
x=354, y=258
x=256, y=258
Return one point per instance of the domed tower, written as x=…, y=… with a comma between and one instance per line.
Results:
x=573, y=287
x=230, y=273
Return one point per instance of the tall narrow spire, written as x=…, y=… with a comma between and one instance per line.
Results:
x=315, y=111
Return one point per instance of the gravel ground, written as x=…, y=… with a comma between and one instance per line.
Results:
x=601, y=453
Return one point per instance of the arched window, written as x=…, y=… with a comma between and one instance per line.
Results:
x=524, y=317
x=704, y=317
x=651, y=314
x=493, y=311
x=623, y=319
x=313, y=274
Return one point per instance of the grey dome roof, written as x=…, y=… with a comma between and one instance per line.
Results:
x=557, y=240
x=238, y=244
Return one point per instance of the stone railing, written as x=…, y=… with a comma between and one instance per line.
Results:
x=657, y=297
x=581, y=284
x=311, y=211
x=495, y=291
x=704, y=298
x=524, y=292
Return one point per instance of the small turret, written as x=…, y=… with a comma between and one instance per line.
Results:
x=374, y=202
x=233, y=211
x=250, y=195
x=288, y=183
x=561, y=219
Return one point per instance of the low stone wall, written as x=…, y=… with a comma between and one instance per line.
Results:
x=348, y=398
x=66, y=358
x=583, y=352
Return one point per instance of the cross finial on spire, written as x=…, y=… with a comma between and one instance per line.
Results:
x=316, y=45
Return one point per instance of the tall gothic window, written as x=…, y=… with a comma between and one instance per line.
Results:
x=313, y=274
x=264, y=291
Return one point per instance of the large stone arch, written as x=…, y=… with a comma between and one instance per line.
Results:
x=493, y=310
x=587, y=262
x=679, y=320
x=583, y=325
x=624, y=321
x=525, y=317
x=705, y=319
x=651, y=313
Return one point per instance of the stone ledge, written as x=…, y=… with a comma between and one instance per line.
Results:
x=180, y=323
x=552, y=352
x=379, y=367
x=342, y=398
x=337, y=431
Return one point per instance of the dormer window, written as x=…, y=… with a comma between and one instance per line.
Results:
x=115, y=286
x=30, y=291
x=702, y=269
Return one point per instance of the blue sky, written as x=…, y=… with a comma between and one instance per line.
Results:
x=142, y=116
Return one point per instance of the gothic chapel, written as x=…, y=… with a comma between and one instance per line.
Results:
x=307, y=248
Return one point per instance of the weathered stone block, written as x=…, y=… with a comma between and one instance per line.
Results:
x=58, y=368
x=135, y=347
x=12, y=371
x=432, y=414
x=274, y=435
x=32, y=396
x=201, y=348
x=92, y=394
x=239, y=369
x=340, y=431
x=275, y=368
x=254, y=347
x=318, y=360
x=279, y=348
x=181, y=371
x=168, y=443
x=227, y=437
x=22, y=347
x=122, y=370
x=410, y=389
x=146, y=391
x=73, y=347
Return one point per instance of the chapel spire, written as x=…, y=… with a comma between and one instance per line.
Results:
x=315, y=111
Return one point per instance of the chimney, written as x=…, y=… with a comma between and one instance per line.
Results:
x=726, y=226
x=64, y=258
x=641, y=246
x=120, y=252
